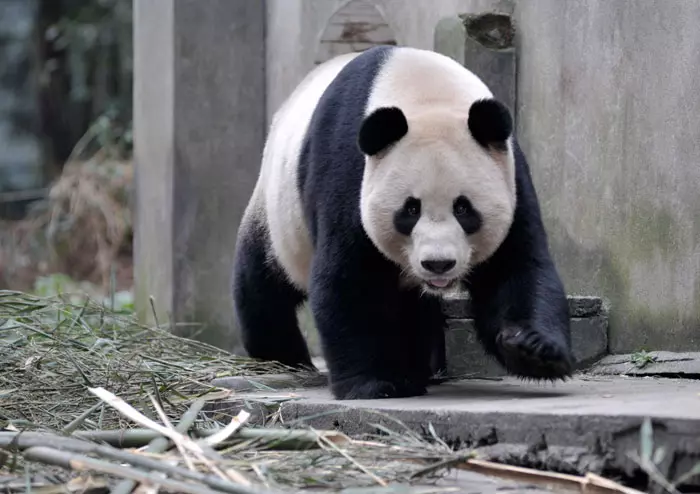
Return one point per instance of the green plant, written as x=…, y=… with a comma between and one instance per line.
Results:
x=642, y=358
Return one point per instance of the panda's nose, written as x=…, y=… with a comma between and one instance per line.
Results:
x=438, y=266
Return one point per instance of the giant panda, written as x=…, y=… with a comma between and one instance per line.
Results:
x=389, y=180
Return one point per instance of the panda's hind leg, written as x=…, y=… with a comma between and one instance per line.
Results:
x=266, y=303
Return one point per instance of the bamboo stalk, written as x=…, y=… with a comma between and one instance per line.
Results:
x=161, y=444
x=39, y=441
x=78, y=421
x=279, y=438
x=81, y=463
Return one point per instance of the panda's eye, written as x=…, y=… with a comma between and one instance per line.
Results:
x=468, y=217
x=412, y=207
x=406, y=218
x=462, y=206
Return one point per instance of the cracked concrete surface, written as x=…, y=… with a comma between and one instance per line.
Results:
x=590, y=423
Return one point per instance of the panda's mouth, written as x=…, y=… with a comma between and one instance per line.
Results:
x=441, y=283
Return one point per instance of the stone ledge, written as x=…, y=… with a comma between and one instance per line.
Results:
x=579, y=306
x=599, y=415
x=465, y=356
x=661, y=364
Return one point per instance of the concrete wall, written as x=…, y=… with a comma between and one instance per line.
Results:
x=356, y=26
x=608, y=107
x=199, y=126
x=606, y=95
x=295, y=29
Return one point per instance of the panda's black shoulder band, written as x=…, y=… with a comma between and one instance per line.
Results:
x=380, y=129
x=490, y=123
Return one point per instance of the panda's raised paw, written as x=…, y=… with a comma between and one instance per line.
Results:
x=368, y=388
x=533, y=354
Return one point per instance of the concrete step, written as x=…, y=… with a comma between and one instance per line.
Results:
x=585, y=424
x=465, y=356
x=579, y=307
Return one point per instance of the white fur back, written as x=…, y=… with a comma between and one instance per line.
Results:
x=276, y=195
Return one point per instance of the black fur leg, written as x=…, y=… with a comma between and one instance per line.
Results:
x=265, y=304
x=434, y=321
x=370, y=388
x=369, y=353
x=423, y=328
x=520, y=309
x=420, y=339
x=532, y=353
x=523, y=321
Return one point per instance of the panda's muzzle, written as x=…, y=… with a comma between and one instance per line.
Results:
x=438, y=266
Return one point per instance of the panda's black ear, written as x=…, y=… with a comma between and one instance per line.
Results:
x=380, y=129
x=490, y=123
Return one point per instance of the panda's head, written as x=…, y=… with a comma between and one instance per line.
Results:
x=438, y=192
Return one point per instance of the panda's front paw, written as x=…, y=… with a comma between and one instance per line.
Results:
x=534, y=354
x=370, y=388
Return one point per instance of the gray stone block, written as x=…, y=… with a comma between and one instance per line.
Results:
x=589, y=339
x=465, y=356
x=579, y=306
x=450, y=34
x=489, y=53
x=483, y=42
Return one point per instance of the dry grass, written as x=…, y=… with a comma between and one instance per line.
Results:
x=85, y=222
x=51, y=351
x=56, y=352
x=83, y=228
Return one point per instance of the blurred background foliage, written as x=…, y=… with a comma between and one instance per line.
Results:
x=74, y=231
x=86, y=72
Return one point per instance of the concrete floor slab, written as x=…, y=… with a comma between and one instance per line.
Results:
x=660, y=364
x=616, y=396
x=597, y=418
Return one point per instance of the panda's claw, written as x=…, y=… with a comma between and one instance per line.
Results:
x=369, y=388
x=532, y=354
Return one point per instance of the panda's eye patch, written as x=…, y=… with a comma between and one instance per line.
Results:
x=405, y=219
x=468, y=217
